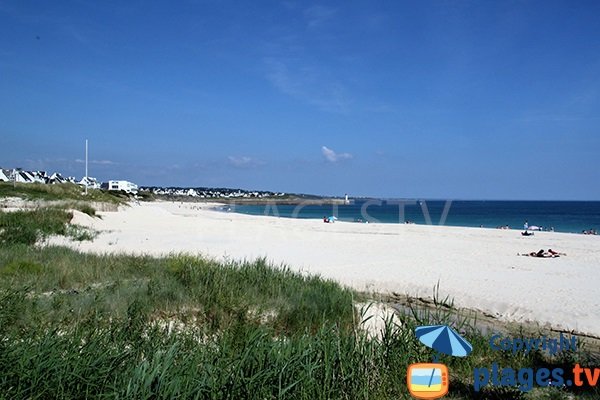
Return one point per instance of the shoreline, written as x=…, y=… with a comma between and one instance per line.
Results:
x=216, y=207
x=389, y=214
x=477, y=267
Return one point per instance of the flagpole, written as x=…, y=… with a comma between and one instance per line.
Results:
x=86, y=166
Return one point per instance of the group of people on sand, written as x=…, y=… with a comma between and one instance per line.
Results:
x=589, y=232
x=529, y=229
x=543, y=254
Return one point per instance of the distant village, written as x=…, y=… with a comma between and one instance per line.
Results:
x=209, y=193
x=19, y=175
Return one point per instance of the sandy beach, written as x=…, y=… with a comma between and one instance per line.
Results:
x=477, y=267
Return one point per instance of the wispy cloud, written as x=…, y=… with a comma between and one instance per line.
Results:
x=97, y=162
x=44, y=163
x=553, y=118
x=333, y=157
x=318, y=15
x=309, y=84
x=244, y=162
x=76, y=34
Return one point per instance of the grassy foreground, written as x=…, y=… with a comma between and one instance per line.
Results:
x=76, y=325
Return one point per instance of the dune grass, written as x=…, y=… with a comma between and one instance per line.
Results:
x=78, y=325
x=100, y=324
x=61, y=191
x=29, y=226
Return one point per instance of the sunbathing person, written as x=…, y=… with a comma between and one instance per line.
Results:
x=543, y=254
x=556, y=253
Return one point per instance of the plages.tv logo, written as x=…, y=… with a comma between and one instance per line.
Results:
x=431, y=380
x=526, y=378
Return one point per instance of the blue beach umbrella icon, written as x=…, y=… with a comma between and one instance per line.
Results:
x=443, y=339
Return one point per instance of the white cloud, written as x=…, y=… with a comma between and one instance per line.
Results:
x=332, y=157
x=244, y=162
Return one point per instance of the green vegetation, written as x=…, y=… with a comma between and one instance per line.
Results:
x=146, y=195
x=62, y=191
x=29, y=226
x=76, y=325
x=86, y=209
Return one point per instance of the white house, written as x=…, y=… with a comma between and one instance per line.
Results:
x=92, y=183
x=56, y=178
x=125, y=186
x=24, y=176
x=3, y=176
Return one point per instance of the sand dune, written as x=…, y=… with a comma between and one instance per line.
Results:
x=479, y=268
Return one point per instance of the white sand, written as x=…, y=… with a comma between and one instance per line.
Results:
x=479, y=268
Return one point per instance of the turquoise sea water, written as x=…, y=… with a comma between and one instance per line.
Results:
x=563, y=216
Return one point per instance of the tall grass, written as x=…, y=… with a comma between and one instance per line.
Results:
x=78, y=205
x=247, y=363
x=180, y=287
x=76, y=325
x=30, y=226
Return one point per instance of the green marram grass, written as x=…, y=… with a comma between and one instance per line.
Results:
x=60, y=191
x=30, y=226
x=77, y=325
x=85, y=326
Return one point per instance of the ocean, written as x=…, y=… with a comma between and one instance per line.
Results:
x=560, y=216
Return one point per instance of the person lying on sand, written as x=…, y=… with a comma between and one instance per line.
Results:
x=543, y=254
x=556, y=253
x=540, y=254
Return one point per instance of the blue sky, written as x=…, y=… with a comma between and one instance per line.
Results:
x=470, y=100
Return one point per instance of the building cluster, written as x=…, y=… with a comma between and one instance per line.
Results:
x=210, y=193
x=21, y=176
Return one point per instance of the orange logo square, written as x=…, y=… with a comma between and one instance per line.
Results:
x=427, y=380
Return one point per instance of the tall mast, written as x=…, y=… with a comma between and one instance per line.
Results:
x=86, y=166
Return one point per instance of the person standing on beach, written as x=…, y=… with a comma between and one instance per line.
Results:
x=526, y=225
